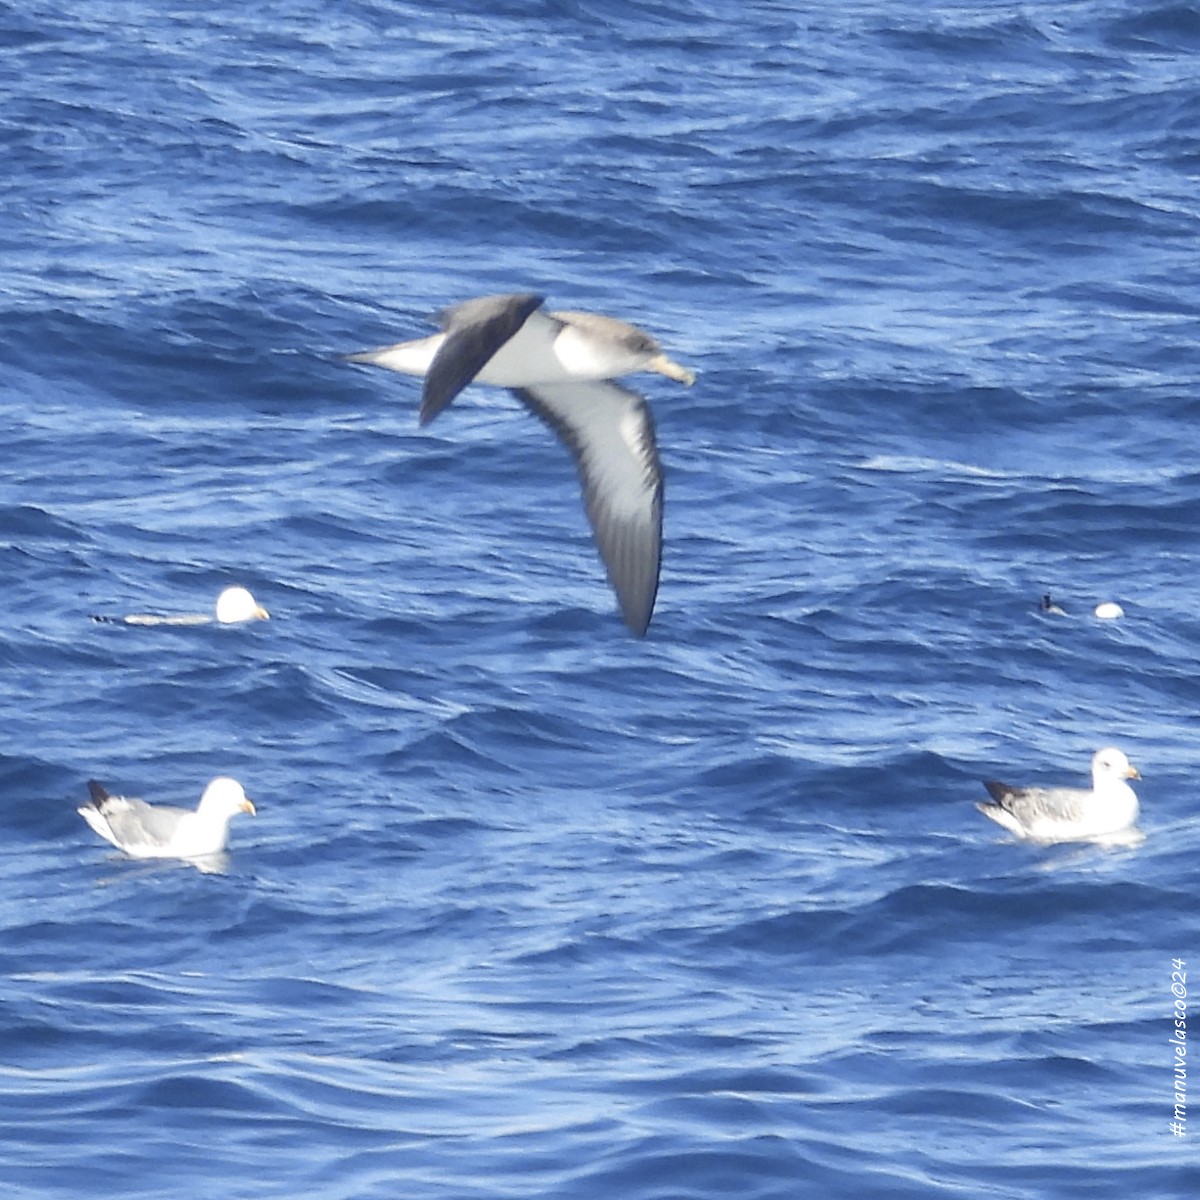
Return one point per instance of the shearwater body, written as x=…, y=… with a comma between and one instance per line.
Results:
x=530, y=907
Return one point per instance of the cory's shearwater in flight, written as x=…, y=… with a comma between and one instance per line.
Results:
x=561, y=366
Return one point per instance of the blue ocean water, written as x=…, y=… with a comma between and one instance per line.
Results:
x=532, y=908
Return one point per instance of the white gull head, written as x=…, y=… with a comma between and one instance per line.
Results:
x=236, y=604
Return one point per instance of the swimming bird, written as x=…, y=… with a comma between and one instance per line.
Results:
x=561, y=366
x=1052, y=607
x=1108, y=812
x=160, y=831
x=234, y=605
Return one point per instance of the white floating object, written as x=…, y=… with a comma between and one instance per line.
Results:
x=1110, y=610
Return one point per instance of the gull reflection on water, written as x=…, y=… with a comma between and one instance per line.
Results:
x=206, y=864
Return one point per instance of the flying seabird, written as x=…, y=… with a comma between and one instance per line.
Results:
x=561, y=366
x=234, y=605
x=159, y=831
x=1106, y=813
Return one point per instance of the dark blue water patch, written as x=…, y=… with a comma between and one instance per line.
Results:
x=1126, y=298
x=943, y=39
x=90, y=1015
x=38, y=799
x=748, y=775
x=898, y=922
x=197, y=1094
x=1078, y=223
x=909, y=776
x=1035, y=519
x=27, y=523
x=757, y=1167
x=458, y=742
x=19, y=30
x=979, y=1107
x=387, y=212
x=1165, y=28
x=236, y=350
x=25, y=773
x=924, y=409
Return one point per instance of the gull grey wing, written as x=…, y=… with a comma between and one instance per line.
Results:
x=1030, y=804
x=475, y=330
x=134, y=822
x=610, y=432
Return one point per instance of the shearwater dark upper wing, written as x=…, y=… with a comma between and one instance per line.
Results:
x=475, y=330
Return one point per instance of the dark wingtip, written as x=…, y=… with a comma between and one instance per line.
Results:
x=637, y=628
x=430, y=407
x=438, y=397
x=98, y=794
x=637, y=615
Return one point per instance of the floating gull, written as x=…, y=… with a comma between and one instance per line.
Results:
x=157, y=831
x=234, y=604
x=1107, y=813
x=561, y=366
